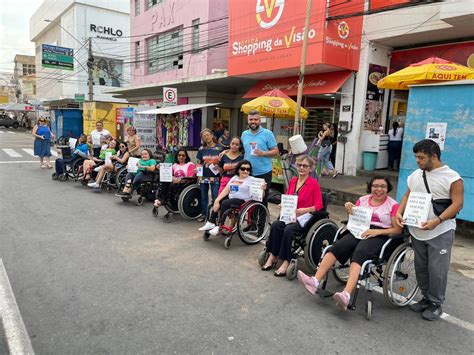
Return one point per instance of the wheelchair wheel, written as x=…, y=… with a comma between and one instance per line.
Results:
x=120, y=176
x=227, y=242
x=292, y=270
x=399, y=282
x=167, y=218
x=54, y=176
x=76, y=168
x=341, y=274
x=368, y=309
x=189, y=203
x=140, y=200
x=263, y=257
x=63, y=177
x=206, y=235
x=320, y=235
x=155, y=211
x=253, y=223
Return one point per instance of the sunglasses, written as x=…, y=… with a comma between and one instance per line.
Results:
x=244, y=169
x=123, y=146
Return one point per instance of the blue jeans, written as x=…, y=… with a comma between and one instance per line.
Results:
x=324, y=155
x=205, y=193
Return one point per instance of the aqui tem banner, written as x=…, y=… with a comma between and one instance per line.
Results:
x=267, y=35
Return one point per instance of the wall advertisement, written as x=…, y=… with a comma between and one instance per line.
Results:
x=374, y=98
x=107, y=72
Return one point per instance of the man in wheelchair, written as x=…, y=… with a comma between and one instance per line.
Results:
x=238, y=192
x=383, y=224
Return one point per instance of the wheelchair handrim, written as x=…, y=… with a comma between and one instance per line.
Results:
x=252, y=236
x=193, y=209
x=313, y=252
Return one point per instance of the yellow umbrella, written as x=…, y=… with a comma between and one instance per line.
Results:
x=427, y=71
x=275, y=104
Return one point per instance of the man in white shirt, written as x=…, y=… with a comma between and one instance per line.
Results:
x=97, y=134
x=433, y=241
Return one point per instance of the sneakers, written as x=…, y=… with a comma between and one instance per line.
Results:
x=93, y=184
x=309, y=283
x=432, y=312
x=420, y=306
x=342, y=299
x=207, y=227
x=215, y=230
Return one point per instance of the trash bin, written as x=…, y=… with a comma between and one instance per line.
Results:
x=370, y=159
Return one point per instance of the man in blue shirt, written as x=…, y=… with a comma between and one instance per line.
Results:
x=260, y=146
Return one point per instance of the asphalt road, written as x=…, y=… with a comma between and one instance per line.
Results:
x=92, y=274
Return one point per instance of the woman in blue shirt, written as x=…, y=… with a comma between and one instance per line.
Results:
x=42, y=144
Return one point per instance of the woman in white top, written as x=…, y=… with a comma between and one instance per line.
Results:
x=238, y=191
x=395, y=145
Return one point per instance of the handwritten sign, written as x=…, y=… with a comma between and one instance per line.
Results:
x=96, y=139
x=72, y=143
x=108, y=157
x=166, y=172
x=256, y=191
x=132, y=165
x=288, y=208
x=359, y=221
x=417, y=209
x=214, y=168
x=253, y=146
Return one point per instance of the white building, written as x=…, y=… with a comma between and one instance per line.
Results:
x=70, y=24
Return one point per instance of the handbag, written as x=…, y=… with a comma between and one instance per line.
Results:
x=439, y=205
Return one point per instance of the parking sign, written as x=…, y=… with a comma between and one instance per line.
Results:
x=170, y=96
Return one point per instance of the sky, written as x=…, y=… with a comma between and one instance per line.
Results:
x=15, y=30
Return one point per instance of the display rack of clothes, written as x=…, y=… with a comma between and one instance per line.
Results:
x=179, y=130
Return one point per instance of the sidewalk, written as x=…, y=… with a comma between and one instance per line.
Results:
x=462, y=258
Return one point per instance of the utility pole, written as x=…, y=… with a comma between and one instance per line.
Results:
x=90, y=65
x=298, y=123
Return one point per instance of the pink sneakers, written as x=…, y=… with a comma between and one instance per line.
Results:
x=342, y=299
x=309, y=283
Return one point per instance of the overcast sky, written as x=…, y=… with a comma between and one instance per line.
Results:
x=15, y=30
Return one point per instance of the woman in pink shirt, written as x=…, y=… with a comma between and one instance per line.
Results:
x=384, y=209
x=182, y=168
x=309, y=200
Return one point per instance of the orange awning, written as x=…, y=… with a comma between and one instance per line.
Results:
x=323, y=83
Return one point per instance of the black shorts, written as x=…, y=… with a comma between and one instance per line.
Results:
x=358, y=250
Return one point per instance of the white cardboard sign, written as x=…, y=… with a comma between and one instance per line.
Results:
x=108, y=157
x=288, y=208
x=166, y=172
x=417, y=209
x=359, y=221
x=256, y=191
x=132, y=165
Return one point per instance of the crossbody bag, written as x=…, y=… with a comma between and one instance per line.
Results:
x=439, y=205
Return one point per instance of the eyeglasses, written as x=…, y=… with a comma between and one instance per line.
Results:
x=244, y=169
x=302, y=166
x=379, y=186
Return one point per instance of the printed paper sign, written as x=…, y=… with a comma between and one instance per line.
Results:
x=96, y=139
x=256, y=191
x=166, y=172
x=253, y=146
x=303, y=219
x=359, y=221
x=288, y=208
x=437, y=133
x=108, y=156
x=214, y=169
x=199, y=171
x=417, y=209
x=72, y=143
x=132, y=165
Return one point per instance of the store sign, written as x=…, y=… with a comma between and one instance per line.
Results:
x=56, y=57
x=269, y=36
x=79, y=97
x=381, y=4
x=105, y=32
x=170, y=96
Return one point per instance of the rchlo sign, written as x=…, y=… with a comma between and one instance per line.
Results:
x=105, y=32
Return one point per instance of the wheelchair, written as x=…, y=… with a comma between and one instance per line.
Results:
x=250, y=221
x=317, y=233
x=184, y=198
x=146, y=190
x=393, y=271
x=72, y=170
x=114, y=179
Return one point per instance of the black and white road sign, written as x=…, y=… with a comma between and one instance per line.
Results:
x=170, y=96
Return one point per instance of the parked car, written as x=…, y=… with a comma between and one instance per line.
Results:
x=8, y=122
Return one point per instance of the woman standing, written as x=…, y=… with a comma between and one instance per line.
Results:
x=133, y=142
x=395, y=146
x=42, y=144
x=310, y=200
x=325, y=150
x=230, y=160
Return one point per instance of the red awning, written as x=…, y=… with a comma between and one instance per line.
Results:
x=323, y=83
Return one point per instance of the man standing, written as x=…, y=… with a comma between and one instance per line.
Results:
x=433, y=241
x=260, y=146
x=98, y=133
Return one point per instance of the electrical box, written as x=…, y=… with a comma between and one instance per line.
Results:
x=343, y=127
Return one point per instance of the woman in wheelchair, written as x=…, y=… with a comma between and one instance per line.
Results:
x=384, y=210
x=119, y=160
x=309, y=200
x=182, y=168
x=237, y=191
x=133, y=180
x=89, y=164
x=81, y=150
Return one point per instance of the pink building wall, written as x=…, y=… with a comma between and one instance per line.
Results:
x=170, y=14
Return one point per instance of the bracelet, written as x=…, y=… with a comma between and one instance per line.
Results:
x=440, y=220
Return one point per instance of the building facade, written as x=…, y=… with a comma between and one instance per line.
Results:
x=24, y=77
x=71, y=24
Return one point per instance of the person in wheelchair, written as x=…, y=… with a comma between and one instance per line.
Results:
x=234, y=195
x=383, y=224
x=310, y=200
x=92, y=162
x=81, y=150
x=146, y=165
x=182, y=168
x=118, y=161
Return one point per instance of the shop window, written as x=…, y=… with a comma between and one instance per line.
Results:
x=195, y=35
x=137, y=7
x=151, y=3
x=165, y=52
x=137, y=54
